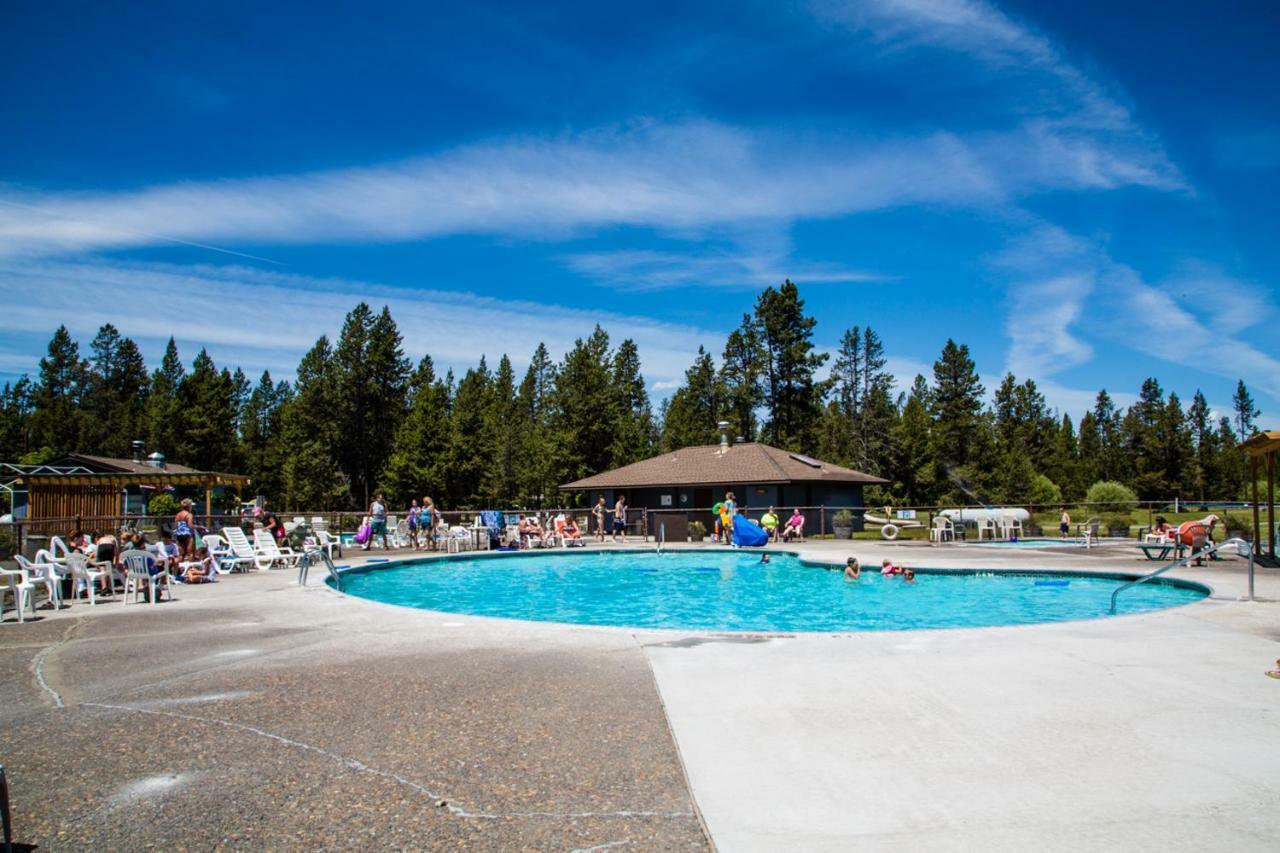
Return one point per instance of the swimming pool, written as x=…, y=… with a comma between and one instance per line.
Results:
x=734, y=591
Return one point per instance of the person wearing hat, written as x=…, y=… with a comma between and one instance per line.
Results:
x=184, y=529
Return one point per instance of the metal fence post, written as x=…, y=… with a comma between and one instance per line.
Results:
x=822, y=519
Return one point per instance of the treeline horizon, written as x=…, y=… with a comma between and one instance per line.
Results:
x=360, y=418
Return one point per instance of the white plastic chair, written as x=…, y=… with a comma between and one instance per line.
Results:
x=137, y=570
x=1012, y=527
x=17, y=582
x=83, y=573
x=43, y=573
x=943, y=530
x=986, y=529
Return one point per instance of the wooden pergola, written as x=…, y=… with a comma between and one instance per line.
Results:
x=1262, y=449
x=98, y=495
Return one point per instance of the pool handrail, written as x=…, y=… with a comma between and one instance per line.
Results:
x=312, y=556
x=1242, y=547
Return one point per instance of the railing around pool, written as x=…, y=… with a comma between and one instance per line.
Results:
x=1242, y=547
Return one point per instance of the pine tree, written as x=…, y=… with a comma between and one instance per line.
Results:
x=114, y=403
x=629, y=409
x=537, y=398
x=914, y=474
x=1112, y=464
x=1246, y=412
x=260, y=434
x=873, y=436
x=695, y=408
x=581, y=435
x=163, y=412
x=313, y=478
x=957, y=405
x=1205, y=444
x=1143, y=443
x=793, y=394
x=507, y=426
x=418, y=463
x=63, y=377
x=741, y=372
x=372, y=373
x=17, y=406
x=1063, y=466
x=1091, y=454
x=470, y=439
x=207, y=419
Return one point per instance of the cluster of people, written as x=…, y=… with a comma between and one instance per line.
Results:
x=613, y=521
x=727, y=512
x=853, y=570
x=533, y=534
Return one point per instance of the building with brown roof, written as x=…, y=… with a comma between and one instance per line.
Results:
x=687, y=482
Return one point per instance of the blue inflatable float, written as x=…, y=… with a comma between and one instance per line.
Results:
x=748, y=534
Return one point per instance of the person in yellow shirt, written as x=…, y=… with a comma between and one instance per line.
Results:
x=769, y=521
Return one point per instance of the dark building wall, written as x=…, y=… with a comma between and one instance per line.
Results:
x=754, y=499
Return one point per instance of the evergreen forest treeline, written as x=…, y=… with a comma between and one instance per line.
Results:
x=361, y=417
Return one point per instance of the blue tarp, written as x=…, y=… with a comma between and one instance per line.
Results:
x=748, y=534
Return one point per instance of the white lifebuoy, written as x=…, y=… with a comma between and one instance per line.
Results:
x=889, y=531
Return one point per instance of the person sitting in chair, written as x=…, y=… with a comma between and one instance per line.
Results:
x=795, y=526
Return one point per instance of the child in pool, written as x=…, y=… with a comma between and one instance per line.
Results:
x=852, y=571
x=909, y=575
x=888, y=568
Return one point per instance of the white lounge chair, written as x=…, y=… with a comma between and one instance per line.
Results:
x=242, y=549
x=225, y=559
x=137, y=570
x=264, y=544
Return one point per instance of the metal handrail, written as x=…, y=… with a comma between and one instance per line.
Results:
x=309, y=558
x=662, y=536
x=1243, y=548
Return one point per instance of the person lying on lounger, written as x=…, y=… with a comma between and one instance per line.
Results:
x=568, y=528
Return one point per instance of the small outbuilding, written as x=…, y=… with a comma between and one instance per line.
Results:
x=1262, y=449
x=681, y=486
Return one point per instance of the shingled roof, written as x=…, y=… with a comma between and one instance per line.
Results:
x=710, y=464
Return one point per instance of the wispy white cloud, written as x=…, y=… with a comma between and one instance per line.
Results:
x=641, y=270
x=267, y=320
x=676, y=179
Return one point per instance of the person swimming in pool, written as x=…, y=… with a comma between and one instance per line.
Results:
x=764, y=558
x=888, y=568
x=908, y=575
x=852, y=570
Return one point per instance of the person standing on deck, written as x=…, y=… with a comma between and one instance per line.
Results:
x=377, y=523
x=1064, y=525
x=600, y=511
x=430, y=520
x=730, y=513
x=620, y=519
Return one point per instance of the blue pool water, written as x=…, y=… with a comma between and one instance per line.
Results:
x=733, y=591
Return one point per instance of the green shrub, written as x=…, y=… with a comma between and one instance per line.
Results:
x=163, y=504
x=1116, y=519
x=1108, y=496
x=843, y=518
x=8, y=545
x=697, y=528
x=1044, y=492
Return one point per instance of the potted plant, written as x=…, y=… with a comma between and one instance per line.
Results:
x=1117, y=525
x=697, y=531
x=1238, y=527
x=842, y=524
x=8, y=545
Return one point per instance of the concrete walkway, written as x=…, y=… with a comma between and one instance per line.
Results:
x=252, y=713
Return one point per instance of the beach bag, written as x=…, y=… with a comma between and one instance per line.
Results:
x=362, y=535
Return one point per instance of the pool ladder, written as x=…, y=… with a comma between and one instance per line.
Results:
x=310, y=558
x=662, y=536
x=1242, y=548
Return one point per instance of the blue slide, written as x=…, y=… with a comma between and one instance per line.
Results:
x=748, y=534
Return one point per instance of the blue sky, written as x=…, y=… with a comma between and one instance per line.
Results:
x=1084, y=193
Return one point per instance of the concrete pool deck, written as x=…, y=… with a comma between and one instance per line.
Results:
x=252, y=713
